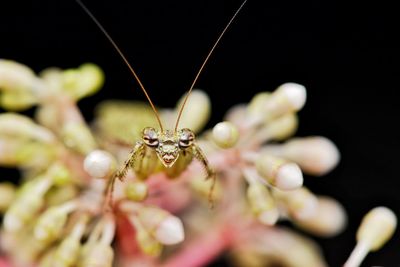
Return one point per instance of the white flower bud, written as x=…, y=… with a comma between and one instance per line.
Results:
x=295, y=93
x=280, y=173
x=376, y=228
x=166, y=228
x=15, y=75
x=329, y=219
x=99, y=163
x=170, y=231
x=287, y=98
x=225, y=134
x=315, y=155
x=301, y=204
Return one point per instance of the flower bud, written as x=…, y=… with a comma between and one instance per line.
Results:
x=98, y=255
x=237, y=114
x=376, y=228
x=315, y=155
x=24, y=208
x=136, y=191
x=301, y=204
x=21, y=213
x=278, y=247
x=20, y=126
x=329, y=219
x=170, y=231
x=83, y=81
x=17, y=100
x=278, y=129
x=14, y=75
x=76, y=135
x=67, y=253
x=280, y=173
x=59, y=174
x=166, y=228
x=21, y=88
x=197, y=111
x=294, y=93
x=148, y=244
x=282, y=127
x=262, y=203
x=287, y=98
x=61, y=194
x=7, y=195
x=99, y=164
x=51, y=223
x=34, y=154
x=256, y=105
x=225, y=134
x=112, y=117
x=47, y=260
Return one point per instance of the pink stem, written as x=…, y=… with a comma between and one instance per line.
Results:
x=126, y=236
x=203, y=249
x=4, y=263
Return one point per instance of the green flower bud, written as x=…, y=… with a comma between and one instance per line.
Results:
x=83, y=81
x=136, y=191
x=7, y=195
x=78, y=137
x=51, y=223
x=148, y=244
x=98, y=255
x=197, y=111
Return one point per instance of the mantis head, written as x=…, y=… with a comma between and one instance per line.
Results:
x=168, y=144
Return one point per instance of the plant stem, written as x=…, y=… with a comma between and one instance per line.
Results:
x=203, y=249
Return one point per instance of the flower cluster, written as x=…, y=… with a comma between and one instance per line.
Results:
x=60, y=215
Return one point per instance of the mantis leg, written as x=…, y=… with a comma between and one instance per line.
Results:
x=200, y=156
x=135, y=157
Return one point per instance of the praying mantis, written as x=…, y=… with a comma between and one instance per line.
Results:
x=176, y=148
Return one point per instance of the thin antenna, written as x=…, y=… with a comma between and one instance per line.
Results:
x=205, y=62
x=123, y=57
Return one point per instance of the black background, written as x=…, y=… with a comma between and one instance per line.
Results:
x=346, y=55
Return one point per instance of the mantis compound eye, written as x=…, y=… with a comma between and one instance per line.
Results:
x=186, y=138
x=150, y=137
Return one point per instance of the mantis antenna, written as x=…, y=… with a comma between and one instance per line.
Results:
x=205, y=62
x=123, y=58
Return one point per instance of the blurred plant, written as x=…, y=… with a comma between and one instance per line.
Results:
x=56, y=217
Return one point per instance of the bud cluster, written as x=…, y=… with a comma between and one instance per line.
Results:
x=69, y=212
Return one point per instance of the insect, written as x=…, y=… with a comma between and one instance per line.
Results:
x=174, y=148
